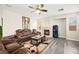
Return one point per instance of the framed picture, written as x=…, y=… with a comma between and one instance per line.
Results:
x=25, y=22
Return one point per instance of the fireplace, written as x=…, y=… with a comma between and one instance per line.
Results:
x=46, y=32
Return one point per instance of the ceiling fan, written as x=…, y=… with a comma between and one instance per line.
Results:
x=39, y=8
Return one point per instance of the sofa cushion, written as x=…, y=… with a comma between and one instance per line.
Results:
x=13, y=46
x=23, y=33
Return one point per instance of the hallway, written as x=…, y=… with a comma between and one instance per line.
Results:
x=64, y=46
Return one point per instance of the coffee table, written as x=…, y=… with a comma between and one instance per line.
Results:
x=36, y=40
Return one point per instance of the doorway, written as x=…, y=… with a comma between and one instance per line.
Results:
x=60, y=31
x=55, y=31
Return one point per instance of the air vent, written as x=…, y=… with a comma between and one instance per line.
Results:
x=61, y=9
x=60, y=18
x=8, y=5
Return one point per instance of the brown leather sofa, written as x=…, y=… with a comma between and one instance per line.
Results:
x=12, y=48
x=10, y=44
x=24, y=34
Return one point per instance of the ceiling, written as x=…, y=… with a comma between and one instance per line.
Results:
x=52, y=9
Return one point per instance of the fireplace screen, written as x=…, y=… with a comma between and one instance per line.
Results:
x=46, y=32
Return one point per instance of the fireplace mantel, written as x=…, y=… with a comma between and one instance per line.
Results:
x=46, y=32
x=47, y=29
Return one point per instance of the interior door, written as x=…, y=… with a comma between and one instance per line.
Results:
x=55, y=31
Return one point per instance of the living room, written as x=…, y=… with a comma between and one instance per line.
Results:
x=12, y=15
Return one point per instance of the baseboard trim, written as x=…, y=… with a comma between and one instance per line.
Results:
x=72, y=39
x=62, y=37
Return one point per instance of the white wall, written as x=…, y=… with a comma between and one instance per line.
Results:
x=78, y=27
x=33, y=24
x=49, y=22
x=61, y=27
x=70, y=35
x=0, y=14
x=12, y=21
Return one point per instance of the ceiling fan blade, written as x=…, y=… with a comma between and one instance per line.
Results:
x=31, y=7
x=44, y=10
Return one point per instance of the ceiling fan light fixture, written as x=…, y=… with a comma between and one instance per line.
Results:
x=39, y=8
x=38, y=11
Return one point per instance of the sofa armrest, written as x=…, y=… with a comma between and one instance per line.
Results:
x=8, y=39
x=21, y=50
x=12, y=46
x=5, y=42
x=2, y=49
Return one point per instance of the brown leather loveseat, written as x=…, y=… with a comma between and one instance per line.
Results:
x=24, y=34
